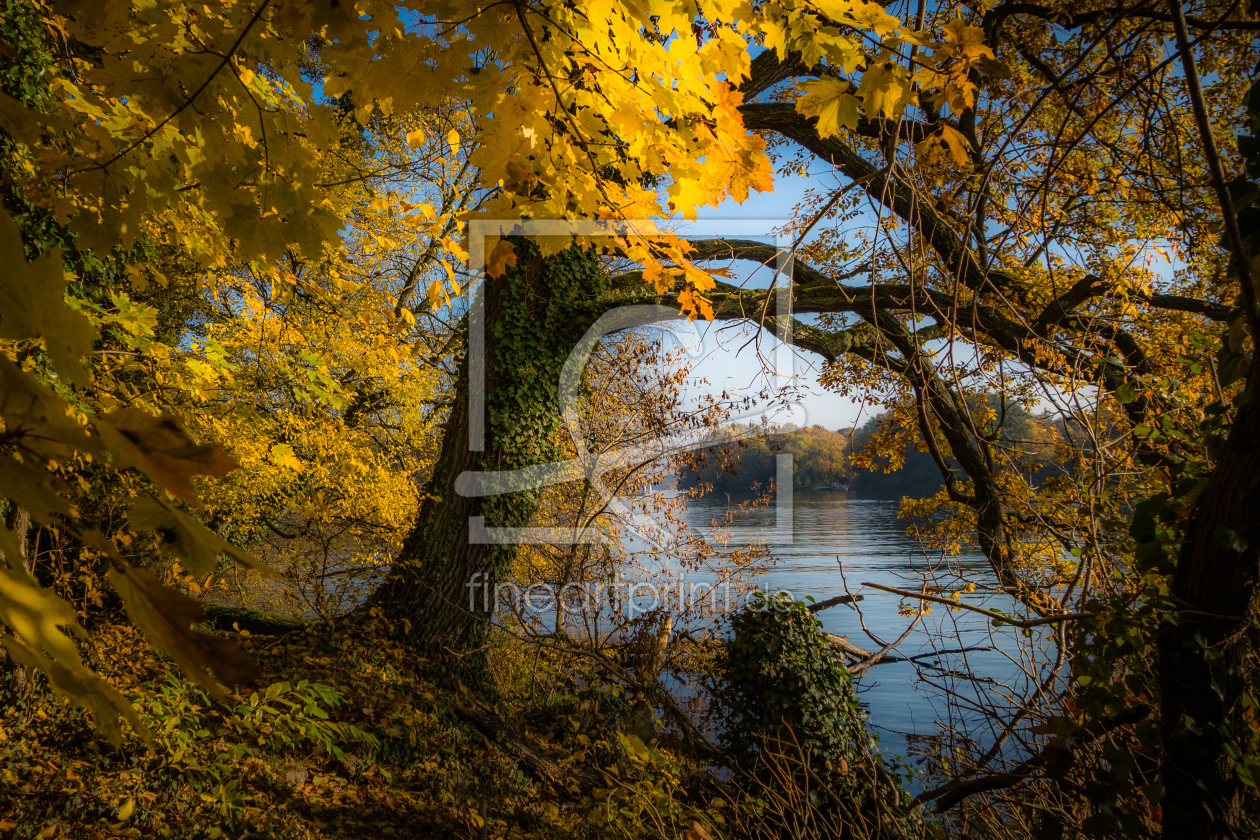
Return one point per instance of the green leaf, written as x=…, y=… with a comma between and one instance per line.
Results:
x=1231, y=539
x=1232, y=366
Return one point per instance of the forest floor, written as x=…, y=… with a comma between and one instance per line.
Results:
x=345, y=735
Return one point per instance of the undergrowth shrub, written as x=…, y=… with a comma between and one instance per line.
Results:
x=804, y=758
x=780, y=672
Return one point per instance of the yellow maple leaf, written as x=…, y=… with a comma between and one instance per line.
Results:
x=686, y=194
x=694, y=305
x=944, y=147
x=661, y=278
x=437, y=295
x=885, y=89
x=967, y=40
x=873, y=16
x=832, y=102
x=702, y=281
x=283, y=455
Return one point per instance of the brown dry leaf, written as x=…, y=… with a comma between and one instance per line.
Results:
x=161, y=448
x=946, y=148
x=697, y=831
x=501, y=257
x=166, y=617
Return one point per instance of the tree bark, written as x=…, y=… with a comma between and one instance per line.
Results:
x=1201, y=655
x=18, y=521
x=1205, y=652
x=439, y=593
x=424, y=596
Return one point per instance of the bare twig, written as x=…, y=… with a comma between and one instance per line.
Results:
x=1232, y=233
x=1014, y=622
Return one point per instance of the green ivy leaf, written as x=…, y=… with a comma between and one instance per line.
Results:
x=1231, y=539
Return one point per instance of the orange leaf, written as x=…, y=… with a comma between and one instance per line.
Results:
x=501, y=257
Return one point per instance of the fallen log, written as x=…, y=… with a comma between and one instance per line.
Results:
x=223, y=617
x=842, y=644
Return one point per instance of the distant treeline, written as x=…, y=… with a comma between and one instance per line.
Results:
x=742, y=464
x=821, y=457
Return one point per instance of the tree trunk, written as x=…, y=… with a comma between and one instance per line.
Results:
x=1201, y=656
x=18, y=522
x=439, y=593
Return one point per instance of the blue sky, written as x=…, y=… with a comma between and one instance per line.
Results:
x=728, y=357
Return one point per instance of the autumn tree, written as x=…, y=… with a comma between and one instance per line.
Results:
x=328, y=386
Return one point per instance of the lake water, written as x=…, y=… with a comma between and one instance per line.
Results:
x=838, y=540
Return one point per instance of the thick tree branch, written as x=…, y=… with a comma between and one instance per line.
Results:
x=1082, y=290
x=1075, y=21
x=1180, y=303
x=767, y=70
x=883, y=186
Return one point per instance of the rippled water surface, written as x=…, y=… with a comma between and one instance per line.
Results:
x=838, y=539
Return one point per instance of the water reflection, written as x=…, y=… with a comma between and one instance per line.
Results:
x=840, y=541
